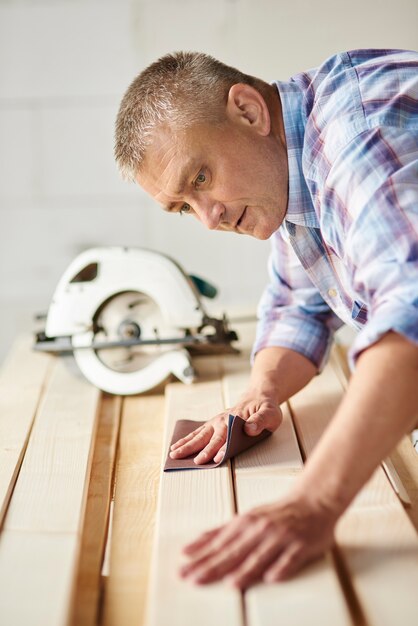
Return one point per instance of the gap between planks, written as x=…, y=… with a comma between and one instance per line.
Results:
x=133, y=520
x=87, y=594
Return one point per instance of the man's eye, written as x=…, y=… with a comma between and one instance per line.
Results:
x=185, y=208
x=201, y=178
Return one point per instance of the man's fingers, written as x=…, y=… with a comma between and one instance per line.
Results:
x=199, y=441
x=255, y=564
x=288, y=563
x=202, y=541
x=187, y=438
x=215, y=565
x=220, y=454
x=213, y=446
x=215, y=540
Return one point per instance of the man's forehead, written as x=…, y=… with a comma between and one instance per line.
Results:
x=164, y=144
x=170, y=172
x=185, y=141
x=166, y=168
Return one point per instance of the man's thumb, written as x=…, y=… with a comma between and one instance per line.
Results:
x=254, y=425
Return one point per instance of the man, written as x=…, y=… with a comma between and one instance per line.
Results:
x=326, y=165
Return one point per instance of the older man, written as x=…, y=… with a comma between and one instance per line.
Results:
x=326, y=166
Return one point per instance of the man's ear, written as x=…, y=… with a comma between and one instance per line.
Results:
x=247, y=106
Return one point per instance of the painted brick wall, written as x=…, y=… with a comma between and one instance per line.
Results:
x=64, y=65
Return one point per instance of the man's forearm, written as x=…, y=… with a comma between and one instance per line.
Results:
x=379, y=406
x=276, y=539
x=278, y=373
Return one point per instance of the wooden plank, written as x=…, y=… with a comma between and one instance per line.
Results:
x=280, y=452
x=191, y=502
x=402, y=464
x=85, y=606
x=380, y=548
x=376, y=538
x=396, y=482
x=36, y=575
x=314, y=406
x=22, y=379
x=265, y=474
x=41, y=540
x=49, y=493
x=135, y=503
x=405, y=460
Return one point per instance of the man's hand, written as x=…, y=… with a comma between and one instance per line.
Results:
x=277, y=374
x=273, y=542
x=270, y=542
x=209, y=441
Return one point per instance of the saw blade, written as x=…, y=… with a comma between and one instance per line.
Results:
x=131, y=315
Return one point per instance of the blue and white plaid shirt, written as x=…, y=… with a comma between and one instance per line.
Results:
x=347, y=250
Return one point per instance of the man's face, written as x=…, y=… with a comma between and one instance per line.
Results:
x=230, y=178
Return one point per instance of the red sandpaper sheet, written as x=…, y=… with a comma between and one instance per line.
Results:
x=237, y=442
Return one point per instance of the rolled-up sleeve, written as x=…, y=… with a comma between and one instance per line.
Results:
x=291, y=313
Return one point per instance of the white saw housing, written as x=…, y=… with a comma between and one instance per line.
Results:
x=75, y=302
x=117, y=286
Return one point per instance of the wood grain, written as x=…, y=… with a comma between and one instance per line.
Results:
x=40, y=545
x=85, y=605
x=191, y=502
x=136, y=489
x=265, y=474
x=378, y=543
x=405, y=460
x=50, y=491
x=380, y=548
x=36, y=577
x=22, y=378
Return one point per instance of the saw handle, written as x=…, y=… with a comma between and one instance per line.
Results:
x=203, y=286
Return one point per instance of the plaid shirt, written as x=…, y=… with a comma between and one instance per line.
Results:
x=347, y=250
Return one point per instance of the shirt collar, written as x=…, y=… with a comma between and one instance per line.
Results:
x=300, y=209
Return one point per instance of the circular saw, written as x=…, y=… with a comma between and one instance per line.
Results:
x=132, y=317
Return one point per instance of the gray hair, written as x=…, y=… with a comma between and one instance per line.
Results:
x=180, y=89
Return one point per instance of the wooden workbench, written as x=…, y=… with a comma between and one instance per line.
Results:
x=92, y=529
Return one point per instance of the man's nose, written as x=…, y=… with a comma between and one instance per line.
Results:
x=210, y=213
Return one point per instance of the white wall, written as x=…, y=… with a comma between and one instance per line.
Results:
x=64, y=65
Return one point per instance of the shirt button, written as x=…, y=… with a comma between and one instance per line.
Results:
x=332, y=292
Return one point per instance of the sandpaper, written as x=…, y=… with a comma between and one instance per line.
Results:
x=236, y=442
